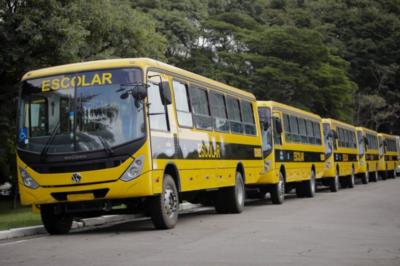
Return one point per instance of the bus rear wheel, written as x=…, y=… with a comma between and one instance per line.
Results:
x=374, y=176
x=365, y=177
x=278, y=191
x=164, y=207
x=55, y=220
x=231, y=199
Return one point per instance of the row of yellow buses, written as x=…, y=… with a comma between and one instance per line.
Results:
x=144, y=135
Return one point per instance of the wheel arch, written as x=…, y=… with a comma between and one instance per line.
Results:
x=240, y=169
x=172, y=170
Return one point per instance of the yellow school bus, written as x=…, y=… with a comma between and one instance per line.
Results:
x=387, y=155
x=293, y=150
x=368, y=154
x=136, y=133
x=341, y=153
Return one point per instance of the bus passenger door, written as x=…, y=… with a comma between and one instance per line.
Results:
x=162, y=128
x=267, y=140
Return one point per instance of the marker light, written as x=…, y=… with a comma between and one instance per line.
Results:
x=27, y=179
x=134, y=170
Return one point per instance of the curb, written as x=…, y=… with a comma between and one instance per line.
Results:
x=92, y=222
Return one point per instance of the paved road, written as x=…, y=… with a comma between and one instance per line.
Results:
x=353, y=227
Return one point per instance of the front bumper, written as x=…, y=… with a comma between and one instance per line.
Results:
x=145, y=185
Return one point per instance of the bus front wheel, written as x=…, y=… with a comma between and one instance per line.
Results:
x=164, y=207
x=231, y=199
x=55, y=220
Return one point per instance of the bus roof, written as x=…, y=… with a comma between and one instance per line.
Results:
x=385, y=135
x=281, y=106
x=144, y=63
x=343, y=124
x=367, y=130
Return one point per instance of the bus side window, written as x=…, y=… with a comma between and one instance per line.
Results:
x=183, y=111
x=234, y=115
x=317, y=132
x=286, y=124
x=310, y=132
x=345, y=138
x=218, y=112
x=340, y=137
x=248, y=119
x=303, y=130
x=201, y=112
x=294, y=129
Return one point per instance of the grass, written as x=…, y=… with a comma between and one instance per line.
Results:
x=21, y=216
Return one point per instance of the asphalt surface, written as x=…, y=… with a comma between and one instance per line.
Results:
x=359, y=226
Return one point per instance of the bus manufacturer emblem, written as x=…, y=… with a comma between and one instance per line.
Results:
x=76, y=177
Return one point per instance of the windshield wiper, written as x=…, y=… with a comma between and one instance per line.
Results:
x=43, y=153
x=106, y=146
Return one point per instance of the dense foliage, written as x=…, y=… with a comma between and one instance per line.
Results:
x=338, y=58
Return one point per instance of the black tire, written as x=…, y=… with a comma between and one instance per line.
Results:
x=374, y=176
x=393, y=174
x=54, y=220
x=300, y=190
x=310, y=186
x=165, y=207
x=365, y=177
x=231, y=199
x=334, y=183
x=383, y=175
x=278, y=190
x=351, y=179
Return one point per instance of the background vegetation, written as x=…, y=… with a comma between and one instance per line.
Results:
x=338, y=58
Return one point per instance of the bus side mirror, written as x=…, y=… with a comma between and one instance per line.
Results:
x=140, y=92
x=278, y=125
x=366, y=141
x=165, y=93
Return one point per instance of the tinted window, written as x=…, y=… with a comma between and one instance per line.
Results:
x=199, y=102
x=310, y=132
x=234, y=115
x=218, y=111
x=182, y=104
x=303, y=130
x=248, y=119
x=317, y=132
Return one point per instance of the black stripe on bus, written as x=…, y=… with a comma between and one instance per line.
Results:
x=371, y=157
x=390, y=158
x=298, y=156
x=175, y=148
x=345, y=157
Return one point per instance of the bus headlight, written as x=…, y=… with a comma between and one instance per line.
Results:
x=27, y=179
x=134, y=170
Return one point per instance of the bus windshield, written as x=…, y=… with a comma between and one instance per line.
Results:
x=80, y=112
